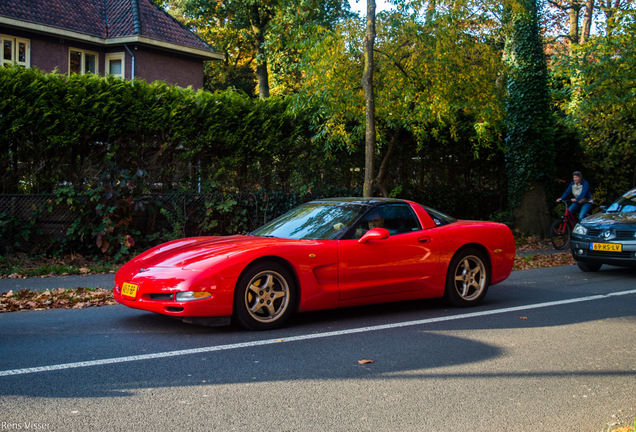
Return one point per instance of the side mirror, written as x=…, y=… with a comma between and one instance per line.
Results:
x=603, y=208
x=374, y=234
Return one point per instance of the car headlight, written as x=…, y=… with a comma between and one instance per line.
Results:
x=580, y=229
x=192, y=295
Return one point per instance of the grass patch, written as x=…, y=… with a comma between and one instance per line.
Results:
x=22, y=266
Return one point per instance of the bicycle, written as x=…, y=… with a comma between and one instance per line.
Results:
x=562, y=228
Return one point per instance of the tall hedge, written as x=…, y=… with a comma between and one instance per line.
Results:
x=84, y=129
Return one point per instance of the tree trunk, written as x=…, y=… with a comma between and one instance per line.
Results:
x=258, y=30
x=384, y=166
x=587, y=21
x=574, y=23
x=533, y=215
x=367, y=86
x=263, y=78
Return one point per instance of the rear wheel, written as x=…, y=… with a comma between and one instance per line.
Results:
x=264, y=297
x=587, y=267
x=560, y=234
x=468, y=278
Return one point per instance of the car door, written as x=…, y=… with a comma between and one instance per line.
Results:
x=402, y=262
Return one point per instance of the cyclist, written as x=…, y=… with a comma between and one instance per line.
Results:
x=581, y=195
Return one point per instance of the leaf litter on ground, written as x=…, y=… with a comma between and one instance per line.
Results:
x=59, y=298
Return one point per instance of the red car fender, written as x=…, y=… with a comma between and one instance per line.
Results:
x=493, y=238
x=314, y=266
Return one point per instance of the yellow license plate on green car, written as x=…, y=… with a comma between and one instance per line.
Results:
x=129, y=289
x=607, y=247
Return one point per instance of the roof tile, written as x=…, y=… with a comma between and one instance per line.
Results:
x=105, y=19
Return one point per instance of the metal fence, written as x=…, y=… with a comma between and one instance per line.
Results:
x=28, y=223
x=32, y=218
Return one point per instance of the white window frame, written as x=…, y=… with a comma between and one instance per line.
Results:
x=116, y=56
x=83, y=60
x=15, y=43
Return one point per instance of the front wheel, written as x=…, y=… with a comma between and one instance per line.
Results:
x=467, y=279
x=264, y=297
x=560, y=234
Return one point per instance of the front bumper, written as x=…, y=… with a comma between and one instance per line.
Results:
x=210, y=307
x=582, y=251
x=157, y=289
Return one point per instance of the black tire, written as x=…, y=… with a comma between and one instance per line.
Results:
x=588, y=267
x=265, y=296
x=560, y=234
x=468, y=278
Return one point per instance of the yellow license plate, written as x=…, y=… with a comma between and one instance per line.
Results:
x=607, y=247
x=129, y=289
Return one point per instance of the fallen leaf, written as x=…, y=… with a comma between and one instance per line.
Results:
x=363, y=362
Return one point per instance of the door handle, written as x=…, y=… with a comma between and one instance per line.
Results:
x=424, y=239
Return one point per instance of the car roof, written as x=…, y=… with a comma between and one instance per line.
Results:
x=372, y=201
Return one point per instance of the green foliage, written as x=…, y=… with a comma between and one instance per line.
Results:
x=17, y=231
x=102, y=218
x=262, y=41
x=600, y=103
x=436, y=100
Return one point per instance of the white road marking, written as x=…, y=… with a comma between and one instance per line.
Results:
x=209, y=349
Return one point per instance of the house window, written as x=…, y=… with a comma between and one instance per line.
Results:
x=82, y=62
x=115, y=64
x=15, y=51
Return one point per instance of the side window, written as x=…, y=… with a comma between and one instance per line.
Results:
x=115, y=64
x=15, y=51
x=82, y=62
x=397, y=218
x=440, y=218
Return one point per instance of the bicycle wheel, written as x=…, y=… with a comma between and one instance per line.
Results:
x=560, y=234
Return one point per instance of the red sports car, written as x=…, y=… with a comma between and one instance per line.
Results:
x=325, y=254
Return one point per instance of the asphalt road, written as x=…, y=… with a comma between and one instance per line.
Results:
x=550, y=349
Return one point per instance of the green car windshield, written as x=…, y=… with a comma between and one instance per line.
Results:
x=313, y=221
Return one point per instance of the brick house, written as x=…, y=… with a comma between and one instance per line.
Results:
x=132, y=39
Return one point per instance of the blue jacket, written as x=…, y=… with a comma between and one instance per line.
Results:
x=586, y=193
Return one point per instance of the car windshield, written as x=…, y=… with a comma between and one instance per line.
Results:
x=625, y=204
x=313, y=221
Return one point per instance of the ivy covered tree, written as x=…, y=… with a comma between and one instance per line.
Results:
x=529, y=140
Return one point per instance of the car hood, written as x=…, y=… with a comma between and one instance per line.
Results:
x=190, y=253
x=611, y=219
